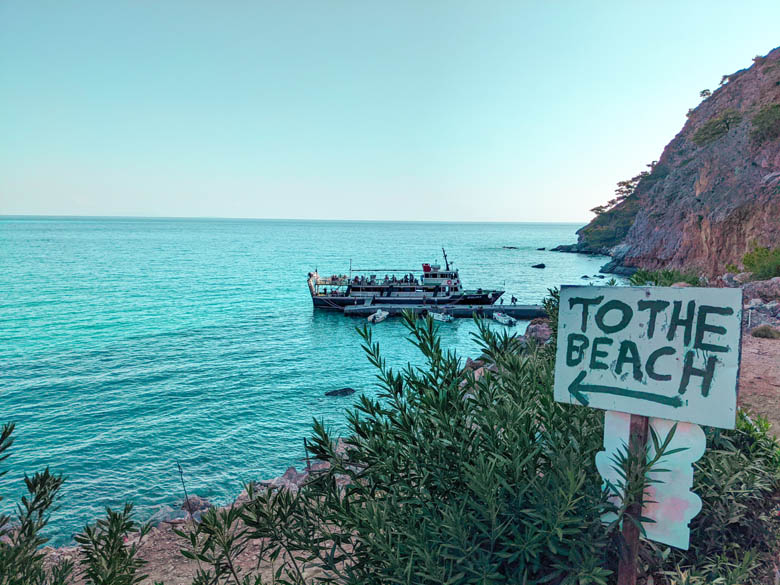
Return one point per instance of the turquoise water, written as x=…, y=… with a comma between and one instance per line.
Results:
x=130, y=344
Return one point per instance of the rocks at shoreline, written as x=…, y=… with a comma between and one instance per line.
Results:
x=540, y=331
x=577, y=249
x=168, y=515
x=194, y=504
x=766, y=290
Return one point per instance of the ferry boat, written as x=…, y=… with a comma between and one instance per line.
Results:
x=433, y=286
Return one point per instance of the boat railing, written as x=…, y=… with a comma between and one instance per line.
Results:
x=329, y=281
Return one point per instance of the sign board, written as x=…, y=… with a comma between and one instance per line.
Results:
x=669, y=353
x=669, y=505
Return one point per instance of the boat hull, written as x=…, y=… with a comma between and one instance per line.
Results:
x=339, y=302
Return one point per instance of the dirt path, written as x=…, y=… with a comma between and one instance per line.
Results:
x=759, y=379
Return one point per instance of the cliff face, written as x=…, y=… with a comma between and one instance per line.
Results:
x=715, y=189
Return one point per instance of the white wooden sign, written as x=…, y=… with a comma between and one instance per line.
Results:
x=669, y=353
x=669, y=505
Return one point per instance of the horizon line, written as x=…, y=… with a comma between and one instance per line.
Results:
x=209, y=217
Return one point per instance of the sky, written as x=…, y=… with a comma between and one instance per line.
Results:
x=316, y=109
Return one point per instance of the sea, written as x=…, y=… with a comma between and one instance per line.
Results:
x=131, y=346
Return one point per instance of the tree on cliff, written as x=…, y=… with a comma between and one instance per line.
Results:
x=624, y=190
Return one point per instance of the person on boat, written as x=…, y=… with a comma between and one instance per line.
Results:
x=514, y=300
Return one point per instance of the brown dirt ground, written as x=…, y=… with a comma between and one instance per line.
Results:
x=759, y=379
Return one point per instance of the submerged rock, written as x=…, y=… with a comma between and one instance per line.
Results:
x=340, y=392
x=195, y=504
x=168, y=514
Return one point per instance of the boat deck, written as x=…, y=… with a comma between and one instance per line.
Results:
x=460, y=311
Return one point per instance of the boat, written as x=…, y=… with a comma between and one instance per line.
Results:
x=434, y=285
x=443, y=317
x=378, y=317
x=504, y=319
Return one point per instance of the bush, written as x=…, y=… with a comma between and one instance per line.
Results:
x=716, y=127
x=766, y=332
x=446, y=478
x=766, y=124
x=21, y=560
x=450, y=479
x=106, y=558
x=662, y=278
x=764, y=263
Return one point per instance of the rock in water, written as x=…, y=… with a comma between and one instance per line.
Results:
x=540, y=248
x=340, y=392
x=195, y=504
x=538, y=266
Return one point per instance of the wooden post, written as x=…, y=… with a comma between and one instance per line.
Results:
x=627, y=568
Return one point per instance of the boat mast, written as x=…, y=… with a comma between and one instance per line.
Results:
x=446, y=262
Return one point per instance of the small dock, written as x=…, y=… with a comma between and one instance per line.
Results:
x=522, y=312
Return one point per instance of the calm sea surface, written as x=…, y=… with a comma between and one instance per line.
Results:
x=127, y=345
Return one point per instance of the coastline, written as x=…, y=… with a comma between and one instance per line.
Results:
x=759, y=394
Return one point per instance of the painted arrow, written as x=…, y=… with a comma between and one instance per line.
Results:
x=578, y=390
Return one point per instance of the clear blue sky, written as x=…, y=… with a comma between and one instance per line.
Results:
x=514, y=111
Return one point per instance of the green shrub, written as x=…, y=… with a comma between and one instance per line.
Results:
x=766, y=124
x=716, y=127
x=448, y=479
x=764, y=263
x=766, y=332
x=662, y=278
x=737, y=529
x=105, y=557
x=21, y=537
x=445, y=478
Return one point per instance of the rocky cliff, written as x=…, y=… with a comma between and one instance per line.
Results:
x=715, y=189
